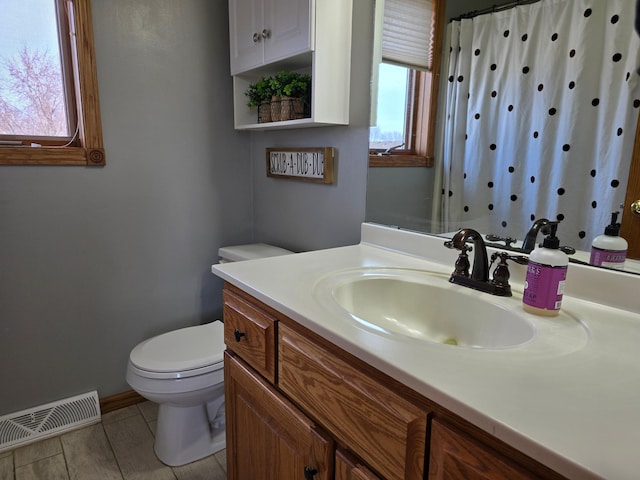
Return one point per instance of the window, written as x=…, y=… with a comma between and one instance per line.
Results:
x=49, y=108
x=394, y=106
x=407, y=50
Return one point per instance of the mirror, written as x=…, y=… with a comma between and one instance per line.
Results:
x=404, y=197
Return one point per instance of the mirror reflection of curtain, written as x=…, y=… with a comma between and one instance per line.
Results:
x=541, y=111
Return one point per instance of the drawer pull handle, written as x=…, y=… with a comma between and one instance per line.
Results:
x=309, y=473
x=238, y=334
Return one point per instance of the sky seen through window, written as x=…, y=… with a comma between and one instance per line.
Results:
x=30, y=26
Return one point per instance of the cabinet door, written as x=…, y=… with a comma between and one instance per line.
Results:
x=348, y=468
x=455, y=455
x=382, y=428
x=245, y=34
x=267, y=437
x=288, y=25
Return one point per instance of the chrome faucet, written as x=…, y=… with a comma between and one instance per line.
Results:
x=479, y=278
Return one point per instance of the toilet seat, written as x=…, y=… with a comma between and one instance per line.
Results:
x=182, y=353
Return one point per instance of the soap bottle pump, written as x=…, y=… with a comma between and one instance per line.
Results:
x=609, y=250
x=546, y=276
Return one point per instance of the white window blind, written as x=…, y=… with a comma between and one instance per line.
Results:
x=407, y=33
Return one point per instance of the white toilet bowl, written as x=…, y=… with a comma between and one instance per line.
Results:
x=182, y=371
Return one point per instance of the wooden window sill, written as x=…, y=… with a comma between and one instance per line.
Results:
x=51, y=156
x=400, y=161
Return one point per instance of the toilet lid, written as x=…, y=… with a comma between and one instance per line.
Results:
x=252, y=251
x=181, y=350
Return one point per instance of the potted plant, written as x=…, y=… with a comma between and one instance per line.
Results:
x=276, y=83
x=282, y=96
x=259, y=94
x=292, y=91
x=296, y=90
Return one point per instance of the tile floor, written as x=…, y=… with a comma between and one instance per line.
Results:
x=118, y=448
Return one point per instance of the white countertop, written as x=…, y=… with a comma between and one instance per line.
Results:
x=574, y=408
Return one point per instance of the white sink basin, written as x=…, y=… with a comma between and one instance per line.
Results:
x=424, y=306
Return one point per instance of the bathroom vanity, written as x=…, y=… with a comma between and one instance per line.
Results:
x=313, y=392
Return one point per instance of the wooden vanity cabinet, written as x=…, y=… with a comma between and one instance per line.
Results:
x=455, y=454
x=250, y=332
x=349, y=467
x=299, y=407
x=269, y=437
x=381, y=427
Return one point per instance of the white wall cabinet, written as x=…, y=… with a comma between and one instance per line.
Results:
x=307, y=36
x=265, y=31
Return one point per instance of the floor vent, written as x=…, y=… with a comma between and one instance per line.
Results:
x=28, y=426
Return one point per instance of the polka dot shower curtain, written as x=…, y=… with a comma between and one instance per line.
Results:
x=541, y=110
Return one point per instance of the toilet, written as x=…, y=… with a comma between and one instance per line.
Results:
x=182, y=371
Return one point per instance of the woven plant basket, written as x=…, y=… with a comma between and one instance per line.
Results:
x=275, y=109
x=286, y=111
x=298, y=108
x=291, y=108
x=264, y=112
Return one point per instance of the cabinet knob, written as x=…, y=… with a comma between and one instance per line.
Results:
x=266, y=33
x=256, y=37
x=238, y=334
x=309, y=473
x=635, y=207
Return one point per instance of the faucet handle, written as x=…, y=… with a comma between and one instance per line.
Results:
x=520, y=259
x=465, y=247
x=504, y=256
x=497, y=238
x=462, y=265
x=501, y=273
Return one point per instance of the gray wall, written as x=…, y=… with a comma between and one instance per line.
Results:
x=305, y=216
x=400, y=196
x=92, y=261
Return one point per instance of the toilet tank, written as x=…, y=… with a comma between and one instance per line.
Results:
x=251, y=251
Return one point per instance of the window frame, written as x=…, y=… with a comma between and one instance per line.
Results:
x=421, y=117
x=88, y=148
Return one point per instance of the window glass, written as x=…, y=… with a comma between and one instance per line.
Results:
x=57, y=36
x=32, y=93
x=392, y=101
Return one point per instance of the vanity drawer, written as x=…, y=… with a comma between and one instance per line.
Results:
x=386, y=431
x=251, y=333
x=349, y=468
x=455, y=454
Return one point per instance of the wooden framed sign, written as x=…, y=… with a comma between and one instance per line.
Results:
x=305, y=164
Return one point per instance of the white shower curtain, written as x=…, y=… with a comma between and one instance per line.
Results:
x=540, y=117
